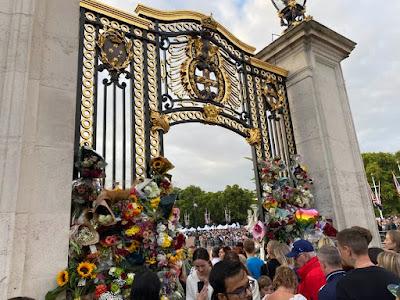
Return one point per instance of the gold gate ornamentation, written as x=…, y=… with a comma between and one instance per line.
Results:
x=145, y=72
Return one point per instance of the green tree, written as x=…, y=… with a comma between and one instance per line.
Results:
x=194, y=201
x=381, y=165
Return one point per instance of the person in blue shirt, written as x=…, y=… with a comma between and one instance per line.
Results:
x=331, y=265
x=253, y=263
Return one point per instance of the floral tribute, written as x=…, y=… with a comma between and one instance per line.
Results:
x=117, y=233
x=287, y=201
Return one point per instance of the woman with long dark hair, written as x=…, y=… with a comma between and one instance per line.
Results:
x=197, y=287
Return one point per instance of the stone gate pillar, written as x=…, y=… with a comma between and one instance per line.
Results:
x=38, y=69
x=323, y=125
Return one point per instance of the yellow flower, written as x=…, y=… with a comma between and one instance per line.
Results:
x=161, y=165
x=151, y=261
x=154, y=202
x=85, y=269
x=133, y=246
x=180, y=254
x=166, y=242
x=62, y=278
x=132, y=231
x=173, y=259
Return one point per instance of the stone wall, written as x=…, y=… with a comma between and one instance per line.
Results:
x=38, y=67
x=322, y=121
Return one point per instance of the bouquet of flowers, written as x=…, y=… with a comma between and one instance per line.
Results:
x=90, y=164
x=287, y=199
x=121, y=232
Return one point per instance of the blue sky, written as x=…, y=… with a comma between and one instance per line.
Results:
x=371, y=75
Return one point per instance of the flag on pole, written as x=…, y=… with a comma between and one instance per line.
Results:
x=375, y=198
x=396, y=184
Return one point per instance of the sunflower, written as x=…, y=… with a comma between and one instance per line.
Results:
x=62, y=278
x=85, y=269
x=160, y=165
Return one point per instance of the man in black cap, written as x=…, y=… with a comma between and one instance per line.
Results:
x=308, y=268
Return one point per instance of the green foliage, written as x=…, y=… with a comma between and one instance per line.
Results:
x=381, y=165
x=194, y=201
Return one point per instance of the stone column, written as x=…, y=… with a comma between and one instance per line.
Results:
x=323, y=126
x=38, y=69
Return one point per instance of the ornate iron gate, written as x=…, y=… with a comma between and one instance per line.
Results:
x=140, y=74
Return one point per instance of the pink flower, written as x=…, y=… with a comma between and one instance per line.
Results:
x=258, y=231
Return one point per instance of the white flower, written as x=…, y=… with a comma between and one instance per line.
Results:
x=110, y=296
x=152, y=190
x=171, y=226
x=267, y=188
x=161, y=227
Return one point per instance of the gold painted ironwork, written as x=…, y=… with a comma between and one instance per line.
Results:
x=159, y=122
x=207, y=61
x=191, y=72
x=115, y=49
x=268, y=67
x=178, y=15
x=288, y=127
x=209, y=23
x=138, y=99
x=254, y=136
x=211, y=113
x=152, y=84
x=180, y=116
x=253, y=112
x=263, y=121
x=87, y=100
x=274, y=95
x=116, y=13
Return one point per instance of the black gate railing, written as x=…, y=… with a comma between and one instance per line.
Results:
x=140, y=74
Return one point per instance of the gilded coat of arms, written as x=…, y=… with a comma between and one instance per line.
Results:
x=115, y=49
x=202, y=74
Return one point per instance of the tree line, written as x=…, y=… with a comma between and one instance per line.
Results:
x=193, y=202
x=380, y=165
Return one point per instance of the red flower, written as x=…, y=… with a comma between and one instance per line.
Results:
x=110, y=240
x=179, y=241
x=100, y=289
x=122, y=252
x=329, y=230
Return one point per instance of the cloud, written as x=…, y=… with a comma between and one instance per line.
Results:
x=371, y=75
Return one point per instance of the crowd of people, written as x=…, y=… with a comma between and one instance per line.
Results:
x=218, y=237
x=341, y=269
x=344, y=268
x=388, y=223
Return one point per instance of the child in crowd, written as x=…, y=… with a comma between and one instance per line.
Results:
x=265, y=286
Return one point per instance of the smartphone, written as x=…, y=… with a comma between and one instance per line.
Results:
x=200, y=285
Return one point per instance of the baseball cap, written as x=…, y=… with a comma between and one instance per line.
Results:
x=299, y=247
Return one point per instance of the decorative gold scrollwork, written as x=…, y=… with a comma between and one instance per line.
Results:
x=116, y=51
x=159, y=122
x=202, y=74
x=209, y=23
x=211, y=113
x=274, y=95
x=254, y=136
